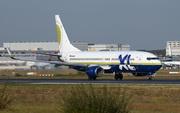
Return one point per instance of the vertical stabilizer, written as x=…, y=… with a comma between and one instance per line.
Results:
x=63, y=41
x=170, y=52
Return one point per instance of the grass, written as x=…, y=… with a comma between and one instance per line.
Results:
x=97, y=100
x=52, y=98
x=5, y=99
x=47, y=98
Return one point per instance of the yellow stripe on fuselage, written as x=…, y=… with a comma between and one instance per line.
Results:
x=113, y=63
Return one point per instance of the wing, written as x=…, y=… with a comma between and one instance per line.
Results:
x=50, y=62
x=171, y=63
x=58, y=55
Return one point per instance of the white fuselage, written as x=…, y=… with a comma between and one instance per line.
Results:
x=117, y=60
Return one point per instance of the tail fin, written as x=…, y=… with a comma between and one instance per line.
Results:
x=165, y=59
x=63, y=41
x=170, y=52
x=170, y=56
x=50, y=59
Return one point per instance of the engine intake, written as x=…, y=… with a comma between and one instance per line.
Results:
x=95, y=71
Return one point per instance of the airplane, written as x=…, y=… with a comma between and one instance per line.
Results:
x=96, y=63
x=164, y=59
x=172, y=63
x=40, y=65
x=168, y=61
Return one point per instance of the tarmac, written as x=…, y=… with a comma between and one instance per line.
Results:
x=86, y=81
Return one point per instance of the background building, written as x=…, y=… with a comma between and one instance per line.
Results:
x=108, y=47
x=53, y=46
x=175, y=47
x=41, y=46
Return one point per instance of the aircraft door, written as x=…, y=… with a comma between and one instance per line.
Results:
x=106, y=59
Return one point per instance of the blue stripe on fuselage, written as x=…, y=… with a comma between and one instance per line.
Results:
x=138, y=68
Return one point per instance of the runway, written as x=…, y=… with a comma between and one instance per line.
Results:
x=85, y=81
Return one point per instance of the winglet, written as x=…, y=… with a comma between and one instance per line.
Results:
x=10, y=55
x=50, y=59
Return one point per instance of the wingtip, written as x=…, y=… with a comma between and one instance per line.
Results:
x=10, y=55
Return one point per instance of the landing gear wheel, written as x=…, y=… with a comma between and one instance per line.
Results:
x=149, y=78
x=92, y=78
x=118, y=76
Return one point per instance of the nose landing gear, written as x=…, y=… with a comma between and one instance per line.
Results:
x=92, y=78
x=149, y=77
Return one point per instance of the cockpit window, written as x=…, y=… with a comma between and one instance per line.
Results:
x=152, y=58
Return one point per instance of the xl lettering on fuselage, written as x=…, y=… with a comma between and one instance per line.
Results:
x=123, y=65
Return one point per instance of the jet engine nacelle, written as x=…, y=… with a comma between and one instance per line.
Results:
x=95, y=71
x=140, y=74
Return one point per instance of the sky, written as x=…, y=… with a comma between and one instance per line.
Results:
x=143, y=24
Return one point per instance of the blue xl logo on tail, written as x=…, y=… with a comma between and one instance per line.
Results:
x=123, y=65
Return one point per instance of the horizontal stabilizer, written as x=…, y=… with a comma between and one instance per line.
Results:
x=50, y=62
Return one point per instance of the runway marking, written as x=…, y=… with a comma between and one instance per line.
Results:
x=85, y=81
x=104, y=83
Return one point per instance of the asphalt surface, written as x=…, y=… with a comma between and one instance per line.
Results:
x=85, y=81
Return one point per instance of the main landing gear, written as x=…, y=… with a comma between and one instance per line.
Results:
x=118, y=76
x=149, y=77
x=92, y=78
